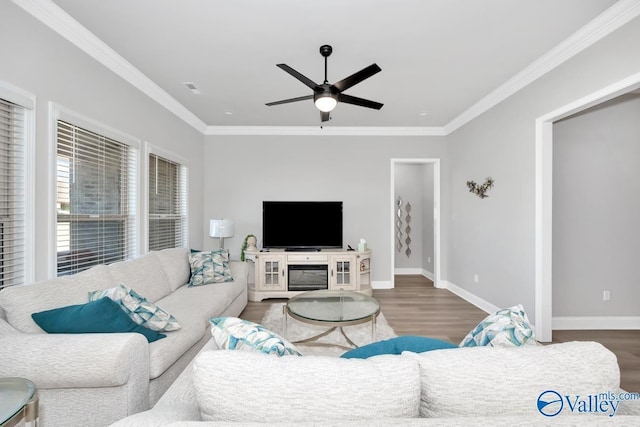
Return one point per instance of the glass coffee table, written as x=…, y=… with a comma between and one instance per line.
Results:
x=334, y=309
x=18, y=402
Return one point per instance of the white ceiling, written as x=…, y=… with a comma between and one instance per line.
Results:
x=438, y=57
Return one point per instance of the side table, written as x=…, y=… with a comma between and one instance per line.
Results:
x=18, y=402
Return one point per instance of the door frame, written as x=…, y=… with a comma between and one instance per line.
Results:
x=544, y=197
x=437, y=282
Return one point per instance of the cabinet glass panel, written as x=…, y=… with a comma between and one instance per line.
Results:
x=271, y=271
x=342, y=272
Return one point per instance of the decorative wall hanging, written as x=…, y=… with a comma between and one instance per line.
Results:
x=480, y=190
x=408, y=229
x=399, y=224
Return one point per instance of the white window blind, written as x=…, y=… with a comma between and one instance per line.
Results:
x=12, y=194
x=95, y=199
x=167, y=204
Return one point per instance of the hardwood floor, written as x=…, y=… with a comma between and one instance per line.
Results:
x=415, y=307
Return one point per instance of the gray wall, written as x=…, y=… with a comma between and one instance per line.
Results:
x=41, y=62
x=596, y=210
x=242, y=171
x=494, y=237
x=409, y=186
x=428, y=255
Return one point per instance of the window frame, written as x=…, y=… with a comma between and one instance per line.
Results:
x=27, y=101
x=58, y=112
x=168, y=155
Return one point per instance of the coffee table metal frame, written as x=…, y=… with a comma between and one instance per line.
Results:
x=22, y=403
x=334, y=324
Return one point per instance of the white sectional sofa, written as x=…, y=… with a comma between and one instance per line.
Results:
x=480, y=386
x=97, y=379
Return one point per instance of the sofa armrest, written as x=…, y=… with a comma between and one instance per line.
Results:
x=74, y=360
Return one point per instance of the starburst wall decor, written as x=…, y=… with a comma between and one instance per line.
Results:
x=480, y=190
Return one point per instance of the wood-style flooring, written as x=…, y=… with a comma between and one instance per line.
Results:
x=415, y=307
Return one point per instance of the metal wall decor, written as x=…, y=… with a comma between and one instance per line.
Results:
x=399, y=224
x=480, y=190
x=407, y=230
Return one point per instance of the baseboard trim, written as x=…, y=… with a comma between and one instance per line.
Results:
x=427, y=274
x=381, y=284
x=482, y=304
x=595, y=322
x=406, y=271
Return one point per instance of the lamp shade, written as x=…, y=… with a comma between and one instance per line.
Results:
x=221, y=228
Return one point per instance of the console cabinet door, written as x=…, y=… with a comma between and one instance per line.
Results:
x=343, y=272
x=273, y=273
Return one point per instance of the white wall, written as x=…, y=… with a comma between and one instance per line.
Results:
x=39, y=61
x=494, y=237
x=596, y=210
x=241, y=172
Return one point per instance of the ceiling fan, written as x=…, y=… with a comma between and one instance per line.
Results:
x=326, y=96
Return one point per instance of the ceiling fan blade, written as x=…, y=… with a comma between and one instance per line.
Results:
x=356, y=78
x=348, y=99
x=324, y=116
x=286, y=101
x=306, y=80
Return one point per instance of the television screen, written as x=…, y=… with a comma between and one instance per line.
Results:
x=299, y=225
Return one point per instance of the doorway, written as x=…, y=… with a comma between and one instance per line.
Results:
x=544, y=197
x=426, y=193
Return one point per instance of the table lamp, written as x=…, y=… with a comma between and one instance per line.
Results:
x=221, y=228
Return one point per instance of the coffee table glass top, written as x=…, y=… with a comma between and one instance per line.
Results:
x=333, y=306
x=15, y=393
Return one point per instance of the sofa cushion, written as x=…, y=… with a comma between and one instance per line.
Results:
x=101, y=316
x=138, y=308
x=254, y=387
x=19, y=302
x=232, y=333
x=508, y=327
x=397, y=345
x=484, y=381
x=193, y=306
x=144, y=274
x=175, y=263
x=209, y=267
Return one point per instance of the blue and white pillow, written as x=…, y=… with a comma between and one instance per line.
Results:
x=138, y=308
x=232, y=333
x=508, y=327
x=209, y=267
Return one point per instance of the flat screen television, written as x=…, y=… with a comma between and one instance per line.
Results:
x=301, y=225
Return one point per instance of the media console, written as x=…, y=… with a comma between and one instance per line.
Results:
x=283, y=274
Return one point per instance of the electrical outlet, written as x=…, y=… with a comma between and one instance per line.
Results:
x=429, y=259
x=606, y=295
x=476, y=279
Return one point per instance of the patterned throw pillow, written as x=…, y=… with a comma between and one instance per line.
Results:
x=508, y=327
x=138, y=308
x=231, y=333
x=209, y=267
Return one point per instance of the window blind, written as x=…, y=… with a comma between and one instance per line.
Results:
x=12, y=193
x=95, y=199
x=167, y=204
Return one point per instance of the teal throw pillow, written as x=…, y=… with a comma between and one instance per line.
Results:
x=100, y=316
x=138, y=308
x=397, y=345
x=232, y=333
x=209, y=267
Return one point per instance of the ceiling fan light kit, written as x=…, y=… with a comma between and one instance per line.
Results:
x=326, y=96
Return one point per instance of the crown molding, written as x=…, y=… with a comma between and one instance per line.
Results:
x=62, y=23
x=608, y=21
x=324, y=131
